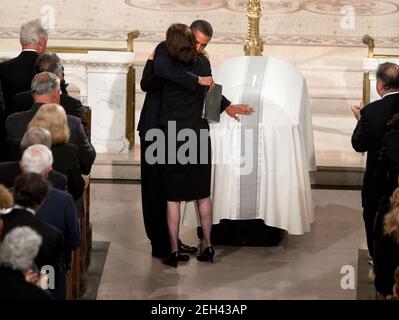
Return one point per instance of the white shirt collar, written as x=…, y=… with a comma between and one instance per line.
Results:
x=5, y=211
x=29, y=50
x=24, y=208
x=389, y=94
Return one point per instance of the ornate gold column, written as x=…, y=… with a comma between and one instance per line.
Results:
x=253, y=45
x=131, y=93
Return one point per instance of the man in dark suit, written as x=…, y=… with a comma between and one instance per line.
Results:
x=3, y=145
x=160, y=66
x=368, y=137
x=50, y=62
x=16, y=74
x=30, y=191
x=9, y=171
x=57, y=209
x=2, y=106
x=46, y=89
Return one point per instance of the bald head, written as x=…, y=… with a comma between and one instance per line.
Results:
x=387, y=78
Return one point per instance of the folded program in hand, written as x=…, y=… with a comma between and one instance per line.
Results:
x=213, y=99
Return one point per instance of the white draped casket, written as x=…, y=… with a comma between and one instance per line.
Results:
x=261, y=164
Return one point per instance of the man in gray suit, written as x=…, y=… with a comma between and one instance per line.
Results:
x=45, y=88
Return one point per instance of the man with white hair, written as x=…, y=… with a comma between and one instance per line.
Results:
x=16, y=74
x=57, y=209
x=17, y=253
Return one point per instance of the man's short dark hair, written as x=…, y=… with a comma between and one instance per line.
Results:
x=202, y=26
x=388, y=74
x=30, y=190
x=49, y=62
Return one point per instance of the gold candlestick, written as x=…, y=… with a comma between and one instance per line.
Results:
x=253, y=45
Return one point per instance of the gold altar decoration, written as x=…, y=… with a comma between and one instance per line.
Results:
x=253, y=45
x=369, y=41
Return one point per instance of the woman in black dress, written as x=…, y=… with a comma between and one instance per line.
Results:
x=187, y=172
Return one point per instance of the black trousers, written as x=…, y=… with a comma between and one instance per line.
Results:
x=369, y=217
x=154, y=204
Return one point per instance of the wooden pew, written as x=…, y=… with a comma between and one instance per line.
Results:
x=81, y=256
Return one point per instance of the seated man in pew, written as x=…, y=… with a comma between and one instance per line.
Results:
x=46, y=89
x=57, y=210
x=50, y=62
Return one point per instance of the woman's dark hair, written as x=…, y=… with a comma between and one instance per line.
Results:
x=180, y=43
x=30, y=190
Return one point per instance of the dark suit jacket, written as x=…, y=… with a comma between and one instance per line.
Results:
x=16, y=76
x=368, y=136
x=385, y=263
x=2, y=106
x=149, y=116
x=23, y=101
x=58, y=210
x=163, y=67
x=9, y=171
x=66, y=161
x=17, y=123
x=167, y=68
x=14, y=287
x=52, y=248
x=3, y=146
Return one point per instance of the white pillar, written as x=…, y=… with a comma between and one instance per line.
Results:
x=101, y=77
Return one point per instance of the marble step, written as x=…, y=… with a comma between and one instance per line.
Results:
x=117, y=166
x=127, y=168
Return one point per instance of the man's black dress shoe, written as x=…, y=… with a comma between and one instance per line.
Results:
x=183, y=257
x=172, y=259
x=184, y=248
x=206, y=255
x=160, y=252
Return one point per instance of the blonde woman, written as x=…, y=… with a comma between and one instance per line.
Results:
x=387, y=252
x=53, y=118
x=6, y=199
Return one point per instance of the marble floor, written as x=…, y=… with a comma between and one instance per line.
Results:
x=302, y=267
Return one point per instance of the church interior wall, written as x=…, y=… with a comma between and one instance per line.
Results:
x=322, y=38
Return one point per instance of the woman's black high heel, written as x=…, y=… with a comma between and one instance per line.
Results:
x=206, y=255
x=172, y=259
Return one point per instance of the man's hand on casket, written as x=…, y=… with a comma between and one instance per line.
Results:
x=234, y=110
